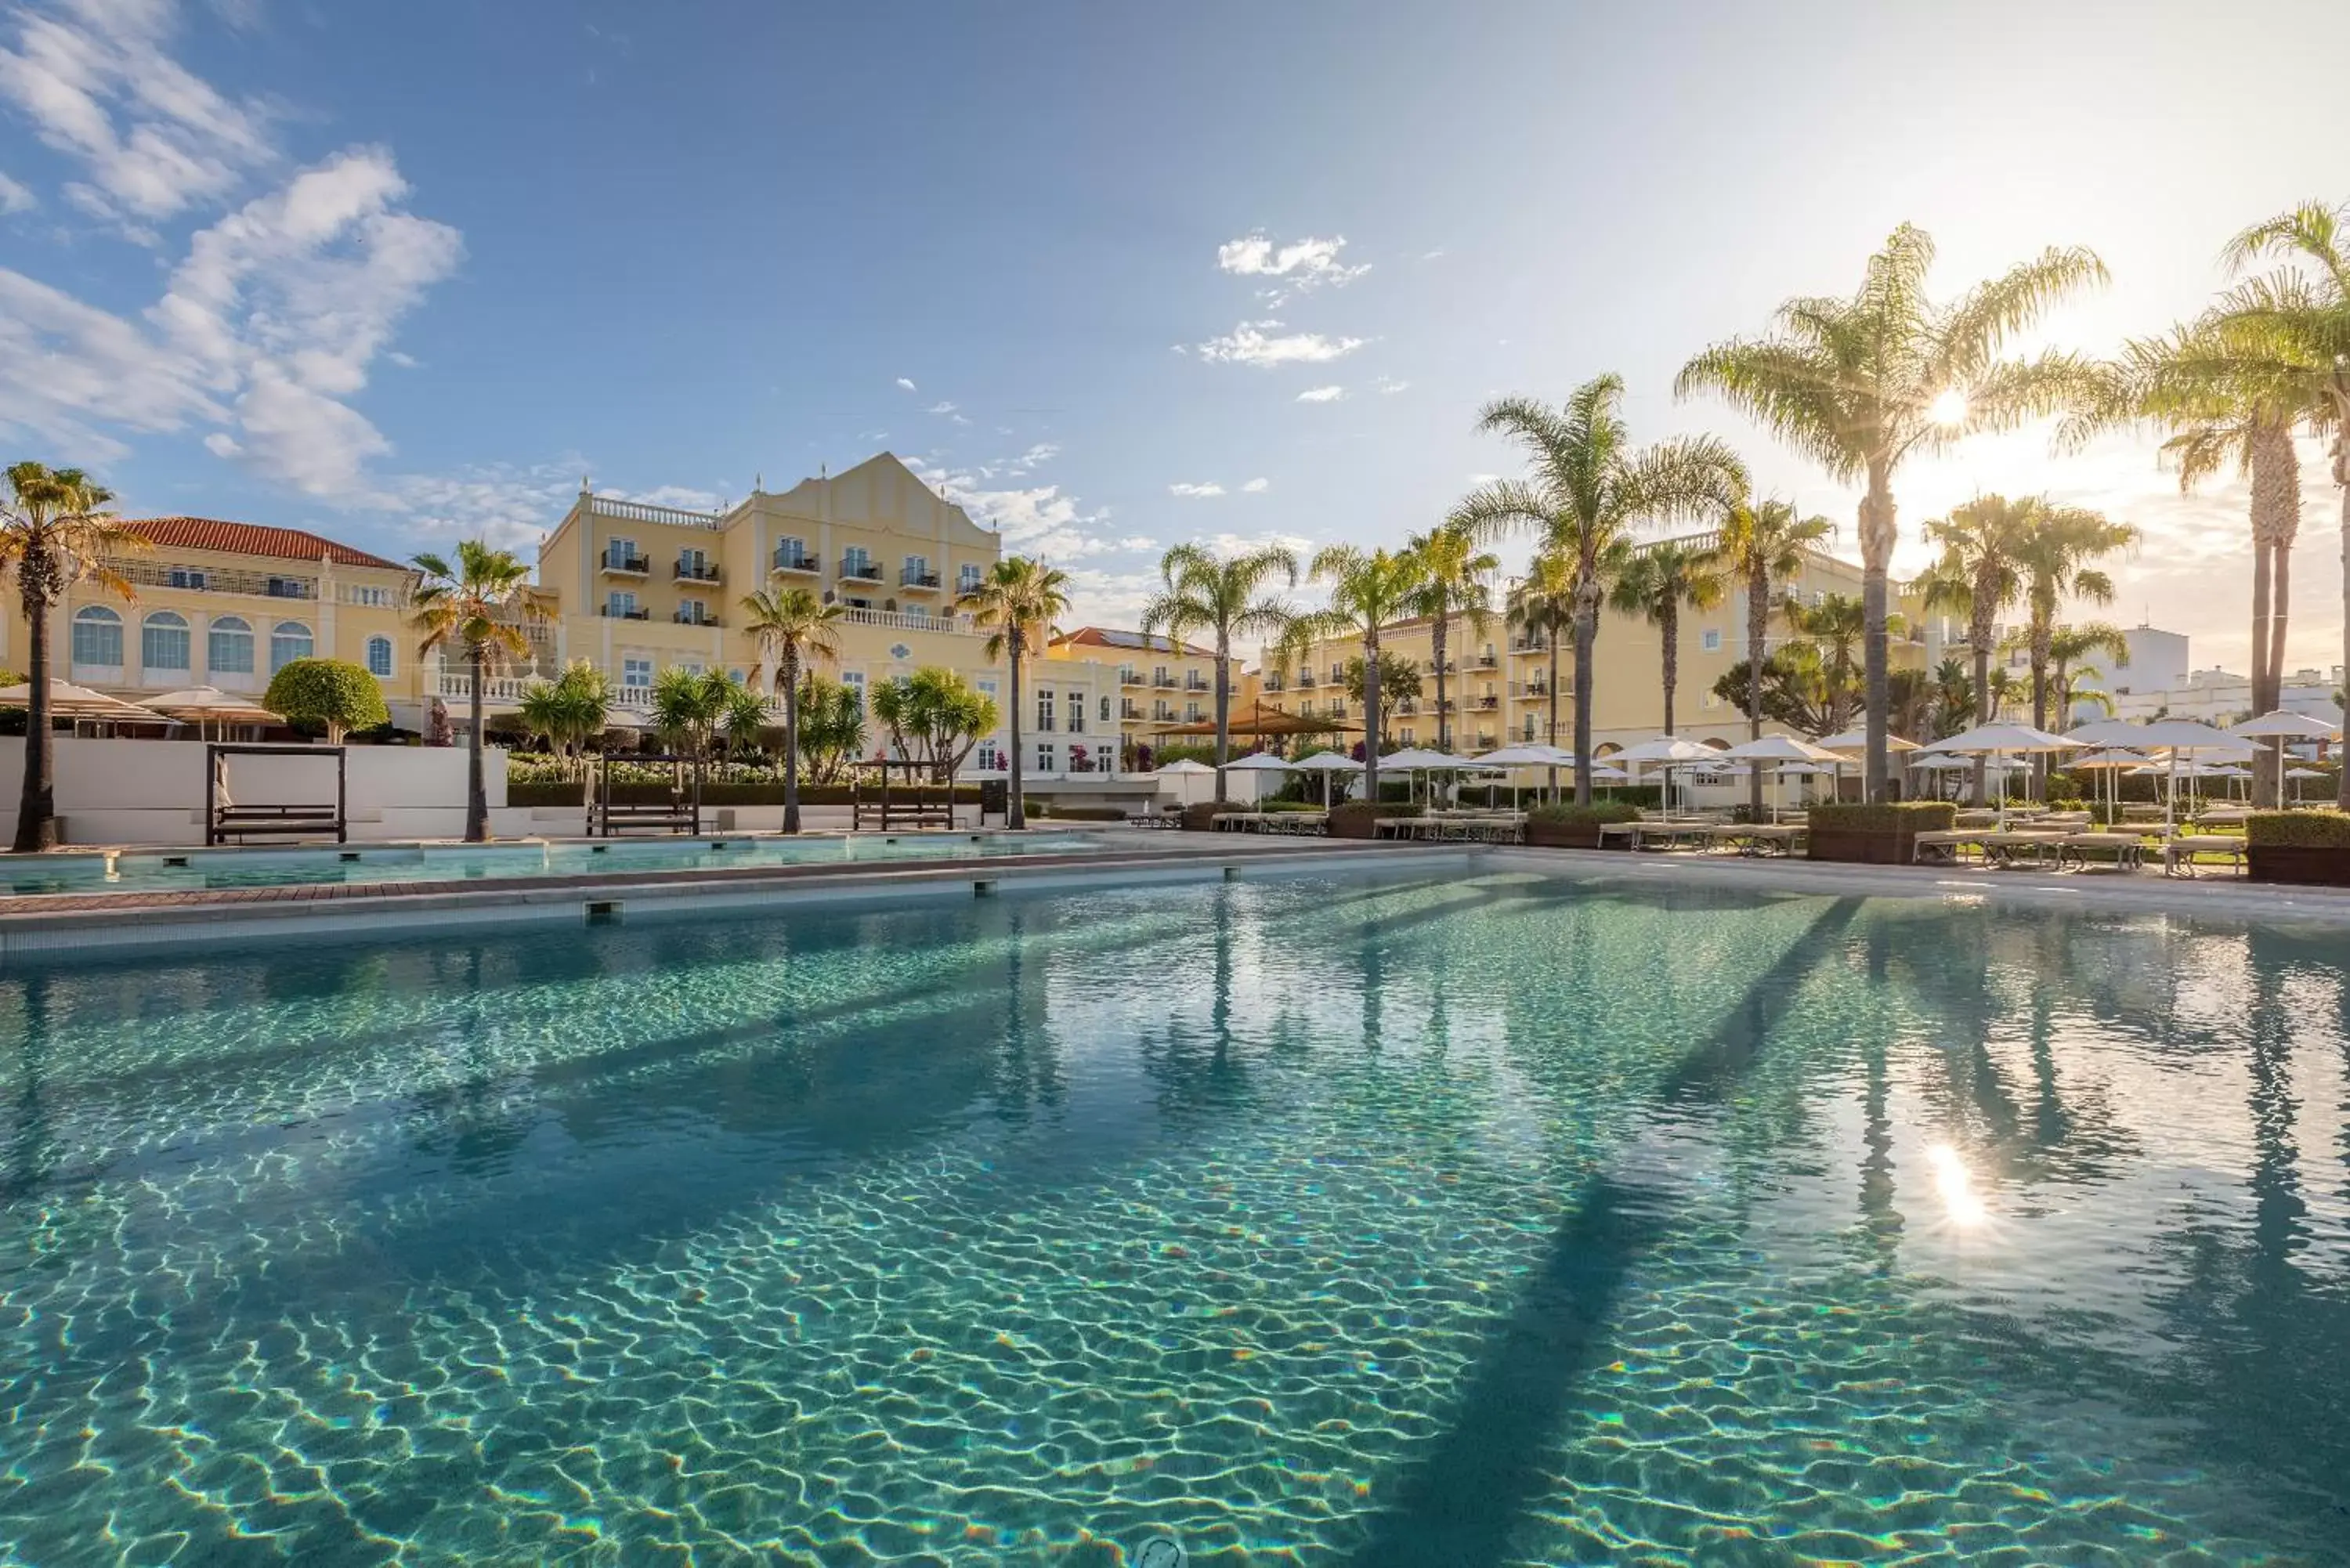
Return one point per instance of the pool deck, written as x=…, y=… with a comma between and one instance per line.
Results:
x=63, y=925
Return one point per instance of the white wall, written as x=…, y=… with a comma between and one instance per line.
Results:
x=153, y=791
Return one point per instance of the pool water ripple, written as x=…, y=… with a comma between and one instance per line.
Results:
x=1345, y=1221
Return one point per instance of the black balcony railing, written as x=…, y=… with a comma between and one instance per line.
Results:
x=614, y=612
x=788, y=561
x=695, y=572
x=913, y=577
x=694, y=618
x=862, y=571
x=636, y=564
x=1196, y=683
x=1489, y=701
x=1487, y=661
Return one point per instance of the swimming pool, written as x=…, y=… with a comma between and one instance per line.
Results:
x=1355, y=1221
x=169, y=870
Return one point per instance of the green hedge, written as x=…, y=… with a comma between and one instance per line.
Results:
x=1899, y=816
x=2297, y=830
x=1568, y=814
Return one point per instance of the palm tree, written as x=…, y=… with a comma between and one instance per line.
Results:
x=2056, y=557
x=1762, y=543
x=2069, y=650
x=1019, y=600
x=1541, y=603
x=1953, y=701
x=1369, y=590
x=54, y=530
x=570, y=711
x=1859, y=384
x=1202, y=594
x=791, y=627
x=1979, y=573
x=1835, y=628
x=1454, y=570
x=1586, y=489
x=689, y=707
x=832, y=726
x=2298, y=317
x=1655, y=583
x=477, y=606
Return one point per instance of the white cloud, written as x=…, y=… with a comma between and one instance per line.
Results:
x=1196, y=491
x=1478, y=479
x=16, y=197
x=1224, y=546
x=1257, y=486
x=1042, y=451
x=685, y=497
x=1322, y=395
x=1301, y=265
x=1038, y=520
x=1390, y=385
x=1137, y=542
x=939, y=408
x=1432, y=256
x=908, y=385
x=1251, y=343
x=154, y=141
x=507, y=505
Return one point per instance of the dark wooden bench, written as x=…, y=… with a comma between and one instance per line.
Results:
x=676, y=814
x=244, y=821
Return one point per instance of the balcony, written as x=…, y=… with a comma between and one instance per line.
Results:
x=1408, y=707
x=1164, y=681
x=1272, y=684
x=1129, y=709
x=1305, y=681
x=1528, y=645
x=796, y=561
x=861, y=571
x=696, y=618
x=615, y=566
x=1198, y=683
x=1484, y=740
x=1489, y=702
x=614, y=612
x=915, y=577
x=695, y=572
x=151, y=574
x=1487, y=661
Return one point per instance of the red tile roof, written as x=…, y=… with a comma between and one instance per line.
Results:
x=250, y=539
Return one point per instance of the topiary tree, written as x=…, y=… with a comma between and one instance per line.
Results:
x=334, y=692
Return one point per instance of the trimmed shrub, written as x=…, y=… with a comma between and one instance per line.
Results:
x=1899, y=816
x=2297, y=830
x=1200, y=817
x=1566, y=814
x=331, y=693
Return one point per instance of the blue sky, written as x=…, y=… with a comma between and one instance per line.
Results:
x=1113, y=275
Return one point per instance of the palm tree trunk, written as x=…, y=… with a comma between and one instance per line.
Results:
x=37, y=807
x=791, y=672
x=1981, y=634
x=2342, y=482
x=1669, y=623
x=1758, y=631
x=1879, y=534
x=1443, y=718
x=1223, y=707
x=477, y=797
x=1586, y=632
x=2043, y=628
x=1371, y=714
x=1013, y=813
x=1551, y=739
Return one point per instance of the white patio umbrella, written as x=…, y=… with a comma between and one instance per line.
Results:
x=2113, y=761
x=1850, y=743
x=1417, y=760
x=1183, y=772
x=1530, y=754
x=2279, y=726
x=1997, y=739
x=1666, y=753
x=1329, y=764
x=2299, y=774
x=1259, y=762
x=1783, y=750
x=211, y=705
x=68, y=700
x=2183, y=737
x=2108, y=733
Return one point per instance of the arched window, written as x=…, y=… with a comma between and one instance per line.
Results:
x=379, y=656
x=163, y=643
x=288, y=640
x=228, y=646
x=96, y=636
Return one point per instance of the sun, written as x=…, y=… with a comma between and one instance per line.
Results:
x=1949, y=408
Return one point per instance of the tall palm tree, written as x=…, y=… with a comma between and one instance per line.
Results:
x=478, y=606
x=54, y=530
x=1019, y=600
x=2070, y=649
x=1542, y=604
x=1586, y=489
x=1835, y=629
x=1370, y=591
x=2057, y=555
x=1655, y=583
x=1454, y=571
x=1201, y=594
x=1979, y=573
x=2298, y=317
x=1859, y=384
x=791, y=627
x=1763, y=544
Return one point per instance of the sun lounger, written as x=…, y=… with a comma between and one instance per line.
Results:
x=1760, y=838
x=2179, y=855
x=2014, y=847
x=1949, y=846
x=1669, y=834
x=2127, y=849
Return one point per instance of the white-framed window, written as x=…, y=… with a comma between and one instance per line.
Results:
x=636, y=673
x=1191, y=712
x=987, y=687
x=1047, y=756
x=968, y=578
x=1409, y=736
x=185, y=578
x=288, y=640
x=791, y=555
x=163, y=641
x=1076, y=712
x=1105, y=710
x=1045, y=709
x=619, y=605
x=693, y=564
x=379, y=656
x=855, y=680
x=96, y=636
x=228, y=646
x=1710, y=640
x=694, y=612
x=857, y=561
x=988, y=758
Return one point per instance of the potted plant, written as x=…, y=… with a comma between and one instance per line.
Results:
x=2311, y=848
x=1876, y=834
x=1566, y=825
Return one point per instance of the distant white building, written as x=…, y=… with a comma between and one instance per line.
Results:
x=2218, y=696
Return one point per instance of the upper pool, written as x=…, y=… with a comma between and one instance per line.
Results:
x=167, y=870
x=1496, y=1219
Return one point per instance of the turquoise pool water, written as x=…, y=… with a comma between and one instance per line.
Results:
x=1493, y=1220
x=169, y=870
